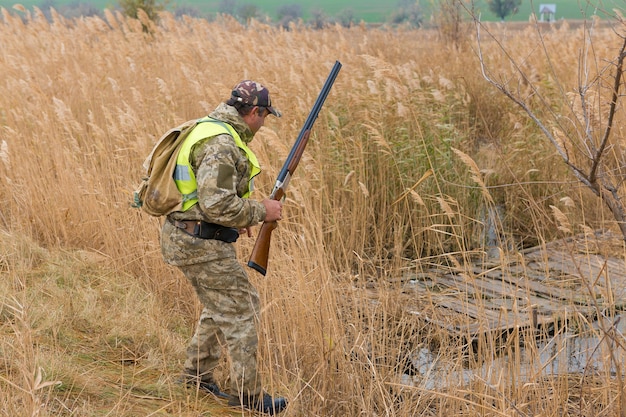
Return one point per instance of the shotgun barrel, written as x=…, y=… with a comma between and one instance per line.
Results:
x=260, y=253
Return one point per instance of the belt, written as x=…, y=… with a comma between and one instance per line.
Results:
x=204, y=230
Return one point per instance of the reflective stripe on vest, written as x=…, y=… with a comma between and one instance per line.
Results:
x=184, y=176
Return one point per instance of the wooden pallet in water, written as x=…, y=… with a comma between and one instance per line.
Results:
x=539, y=288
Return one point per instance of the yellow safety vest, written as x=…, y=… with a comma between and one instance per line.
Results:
x=183, y=175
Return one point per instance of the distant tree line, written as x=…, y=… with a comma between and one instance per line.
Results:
x=408, y=12
x=70, y=10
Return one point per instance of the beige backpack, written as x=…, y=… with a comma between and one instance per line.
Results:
x=157, y=194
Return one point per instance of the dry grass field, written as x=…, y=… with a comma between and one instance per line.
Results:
x=410, y=151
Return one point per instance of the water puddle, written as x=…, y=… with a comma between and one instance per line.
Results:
x=560, y=354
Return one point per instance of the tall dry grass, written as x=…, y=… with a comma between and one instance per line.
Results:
x=409, y=152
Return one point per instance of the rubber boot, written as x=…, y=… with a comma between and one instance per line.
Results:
x=205, y=383
x=264, y=403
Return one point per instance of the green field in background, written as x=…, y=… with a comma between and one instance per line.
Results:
x=371, y=11
x=565, y=9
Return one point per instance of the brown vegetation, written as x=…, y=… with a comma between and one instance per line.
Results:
x=410, y=151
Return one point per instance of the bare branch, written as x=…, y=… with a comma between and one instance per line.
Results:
x=607, y=133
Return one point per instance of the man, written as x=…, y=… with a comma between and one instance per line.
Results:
x=214, y=172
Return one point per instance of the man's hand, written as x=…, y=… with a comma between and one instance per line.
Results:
x=273, y=210
x=246, y=230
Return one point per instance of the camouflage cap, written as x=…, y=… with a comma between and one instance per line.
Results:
x=254, y=94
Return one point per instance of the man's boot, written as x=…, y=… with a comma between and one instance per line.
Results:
x=205, y=383
x=263, y=403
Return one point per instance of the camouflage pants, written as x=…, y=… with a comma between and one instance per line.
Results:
x=228, y=320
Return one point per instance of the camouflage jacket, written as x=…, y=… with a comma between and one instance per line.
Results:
x=222, y=172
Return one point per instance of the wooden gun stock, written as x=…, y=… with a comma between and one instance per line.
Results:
x=260, y=253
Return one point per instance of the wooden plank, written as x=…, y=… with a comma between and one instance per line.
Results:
x=578, y=295
x=540, y=322
x=488, y=316
x=570, y=265
x=614, y=265
x=529, y=279
x=481, y=287
x=487, y=320
x=496, y=310
x=517, y=274
x=590, y=264
x=594, y=265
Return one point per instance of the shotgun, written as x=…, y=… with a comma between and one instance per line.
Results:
x=260, y=252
